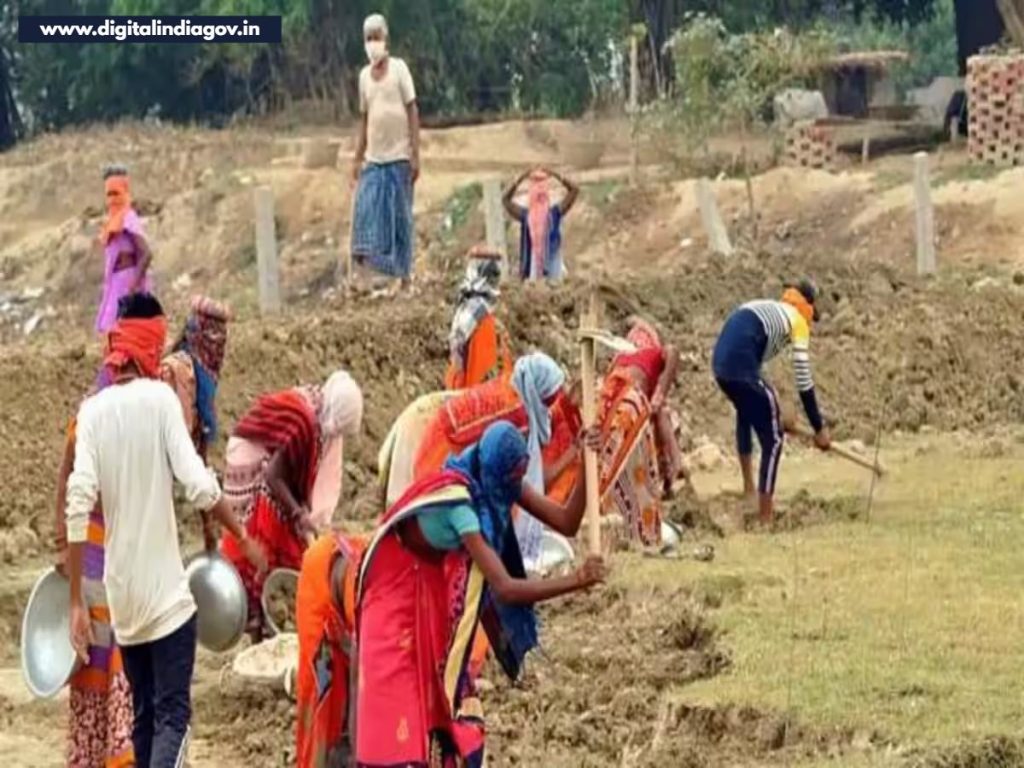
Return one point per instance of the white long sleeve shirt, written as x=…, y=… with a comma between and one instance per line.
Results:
x=131, y=442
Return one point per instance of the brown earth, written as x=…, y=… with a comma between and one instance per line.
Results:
x=892, y=353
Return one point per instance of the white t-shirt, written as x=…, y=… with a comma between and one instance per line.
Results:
x=384, y=103
x=130, y=444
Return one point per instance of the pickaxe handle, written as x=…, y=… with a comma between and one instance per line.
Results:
x=844, y=453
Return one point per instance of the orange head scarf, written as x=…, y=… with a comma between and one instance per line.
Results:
x=794, y=297
x=139, y=341
x=119, y=201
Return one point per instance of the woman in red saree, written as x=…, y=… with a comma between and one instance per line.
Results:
x=639, y=455
x=283, y=474
x=443, y=562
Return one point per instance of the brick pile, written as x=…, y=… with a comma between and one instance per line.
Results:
x=995, y=103
x=809, y=145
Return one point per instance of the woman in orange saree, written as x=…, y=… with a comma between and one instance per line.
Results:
x=325, y=618
x=639, y=458
x=444, y=562
x=478, y=346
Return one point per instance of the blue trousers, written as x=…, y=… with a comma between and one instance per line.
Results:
x=757, y=410
x=160, y=673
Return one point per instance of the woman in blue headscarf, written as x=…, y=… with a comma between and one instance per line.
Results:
x=525, y=401
x=442, y=563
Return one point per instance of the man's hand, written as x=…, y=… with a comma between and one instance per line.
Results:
x=823, y=440
x=414, y=167
x=60, y=561
x=357, y=170
x=81, y=631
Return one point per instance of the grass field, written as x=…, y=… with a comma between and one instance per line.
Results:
x=905, y=627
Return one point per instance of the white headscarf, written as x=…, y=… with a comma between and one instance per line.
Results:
x=339, y=413
x=536, y=378
x=375, y=23
x=341, y=409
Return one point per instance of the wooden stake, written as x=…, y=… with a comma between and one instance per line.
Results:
x=925, y=216
x=634, y=108
x=588, y=373
x=494, y=218
x=714, y=228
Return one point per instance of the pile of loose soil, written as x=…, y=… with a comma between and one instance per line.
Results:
x=605, y=691
x=280, y=601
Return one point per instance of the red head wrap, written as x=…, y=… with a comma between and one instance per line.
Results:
x=139, y=341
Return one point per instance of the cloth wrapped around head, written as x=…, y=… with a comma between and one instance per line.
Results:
x=341, y=408
x=538, y=379
x=138, y=341
x=803, y=296
x=205, y=340
x=495, y=468
x=643, y=335
x=206, y=333
x=483, y=274
x=119, y=202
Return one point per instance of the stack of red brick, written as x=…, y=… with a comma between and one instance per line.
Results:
x=995, y=102
x=809, y=145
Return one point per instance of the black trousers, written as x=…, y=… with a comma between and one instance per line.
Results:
x=160, y=673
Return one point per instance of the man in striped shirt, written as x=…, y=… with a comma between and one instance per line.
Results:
x=754, y=334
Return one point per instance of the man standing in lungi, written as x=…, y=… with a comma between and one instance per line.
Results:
x=387, y=161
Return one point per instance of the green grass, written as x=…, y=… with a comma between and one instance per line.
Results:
x=909, y=625
x=965, y=172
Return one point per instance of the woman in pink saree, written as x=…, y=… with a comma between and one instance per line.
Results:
x=126, y=253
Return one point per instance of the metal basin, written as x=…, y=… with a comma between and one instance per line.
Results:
x=556, y=554
x=671, y=536
x=220, y=599
x=47, y=659
x=278, y=579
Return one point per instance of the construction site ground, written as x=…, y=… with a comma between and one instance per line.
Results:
x=877, y=624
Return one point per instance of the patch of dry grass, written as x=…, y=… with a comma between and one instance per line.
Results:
x=907, y=627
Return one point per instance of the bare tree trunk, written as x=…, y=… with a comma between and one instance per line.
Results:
x=10, y=122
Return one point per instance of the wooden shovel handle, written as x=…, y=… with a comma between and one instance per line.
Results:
x=587, y=356
x=844, y=453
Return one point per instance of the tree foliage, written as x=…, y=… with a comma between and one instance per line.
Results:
x=533, y=56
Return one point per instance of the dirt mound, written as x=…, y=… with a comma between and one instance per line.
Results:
x=606, y=689
x=609, y=661
x=890, y=351
x=227, y=718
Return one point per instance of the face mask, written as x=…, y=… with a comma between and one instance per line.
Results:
x=376, y=50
